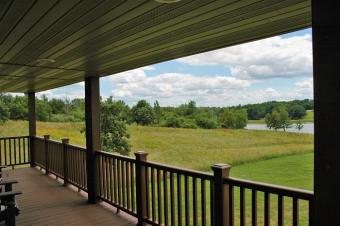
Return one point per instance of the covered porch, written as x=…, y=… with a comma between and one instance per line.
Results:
x=46, y=201
x=49, y=44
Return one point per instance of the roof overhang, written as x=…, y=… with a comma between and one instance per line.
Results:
x=99, y=38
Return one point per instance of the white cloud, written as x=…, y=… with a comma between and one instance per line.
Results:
x=67, y=92
x=264, y=59
x=301, y=90
x=175, y=88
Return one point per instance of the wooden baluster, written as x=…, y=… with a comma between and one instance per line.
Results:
x=203, y=203
x=159, y=197
x=141, y=186
x=295, y=212
x=153, y=200
x=187, y=200
x=280, y=213
x=165, y=197
x=254, y=207
x=179, y=200
x=194, y=201
x=266, y=209
x=172, y=199
x=242, y=207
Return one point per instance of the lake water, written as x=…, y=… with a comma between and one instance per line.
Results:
x=307, y=128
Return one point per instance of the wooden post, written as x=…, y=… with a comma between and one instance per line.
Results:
x=221, y=202
x=326, y=71
x=65, y=143
x=92, y=118
x=31, y=125
x=141, y=156
x=46, y=137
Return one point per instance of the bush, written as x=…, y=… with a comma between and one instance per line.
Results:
x=206, y=123
x=234, y=119
x=278, y=119
x=173, y=122
x=180, y=122
x=296, y=111
x=4, y=113
x=142, y=113
x=188, y=123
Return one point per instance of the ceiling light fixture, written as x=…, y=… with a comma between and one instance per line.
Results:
x=45, y=61
x=167, y=1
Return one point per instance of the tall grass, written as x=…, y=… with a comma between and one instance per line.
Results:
x=191, y=148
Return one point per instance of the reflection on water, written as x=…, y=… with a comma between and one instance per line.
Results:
x=307, y=128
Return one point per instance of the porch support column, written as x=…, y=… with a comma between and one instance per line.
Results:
x=32, y=131
x=326, y=55
x=92, y=118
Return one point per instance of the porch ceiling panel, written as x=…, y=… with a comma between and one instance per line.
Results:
x=97, y=38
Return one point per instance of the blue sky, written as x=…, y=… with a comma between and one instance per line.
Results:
x=278, y=68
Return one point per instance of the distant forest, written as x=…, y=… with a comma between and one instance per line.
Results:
x=187, y=115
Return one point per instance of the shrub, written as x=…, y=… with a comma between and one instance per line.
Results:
x=142, y=113
x=173, y=122
x=234, y=118
x=4, y=113
x=296, y=111
x=206, y=123
x=278, y=119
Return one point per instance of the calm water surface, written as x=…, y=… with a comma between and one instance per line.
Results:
x=307, y=128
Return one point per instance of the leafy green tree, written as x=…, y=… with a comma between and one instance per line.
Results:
x=158, y=112
x=4, y=113
x=57, y=106
x=278, y=119
x=299, y=125
x=296, y=111
x=43, y=110
x=142, y=113
x=114, y=134
x=234, y=118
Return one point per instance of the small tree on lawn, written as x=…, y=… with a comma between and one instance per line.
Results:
x=299, y=125
x=278, y=119
x=158, y=112
x=114, y=134
x=142, y=113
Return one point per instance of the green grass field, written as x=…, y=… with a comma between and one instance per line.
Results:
x=199, y=149
x=267, y=156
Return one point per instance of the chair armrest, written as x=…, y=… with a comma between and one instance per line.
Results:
x=5, y=182
x=3, y=167
x=9, y=194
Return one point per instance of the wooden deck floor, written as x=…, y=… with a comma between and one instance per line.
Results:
x=46, y=202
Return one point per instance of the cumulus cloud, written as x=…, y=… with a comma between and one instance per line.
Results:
x=175, y=88
x=268, y=58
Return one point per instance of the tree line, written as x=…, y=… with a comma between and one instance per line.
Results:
x=187, y=115
x=116, y=114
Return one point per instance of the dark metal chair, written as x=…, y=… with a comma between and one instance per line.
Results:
x=8, y=206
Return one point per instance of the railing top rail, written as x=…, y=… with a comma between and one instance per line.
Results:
x=39, y=138
x=76, y=147
x=174, y=169
x=14, y=137
x=117, y=156
x=271, y=188
x=54, y=141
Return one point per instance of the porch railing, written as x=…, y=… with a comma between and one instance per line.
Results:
x=159, y=194
x=15, y=150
